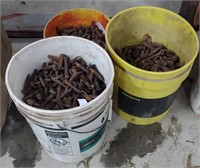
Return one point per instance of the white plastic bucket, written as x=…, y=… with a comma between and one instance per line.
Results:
x=68, y=135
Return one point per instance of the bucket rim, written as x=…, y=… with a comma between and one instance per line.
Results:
x=75, y=109
x=69, y=10
x=115, y=55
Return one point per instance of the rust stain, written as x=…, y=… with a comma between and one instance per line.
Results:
x=11, y=16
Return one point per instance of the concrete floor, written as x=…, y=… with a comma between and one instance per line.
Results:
x=174, y=142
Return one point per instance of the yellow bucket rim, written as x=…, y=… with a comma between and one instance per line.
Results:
x=60, y=13
x=114, y=54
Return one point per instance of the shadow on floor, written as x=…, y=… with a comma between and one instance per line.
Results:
x=18, y=140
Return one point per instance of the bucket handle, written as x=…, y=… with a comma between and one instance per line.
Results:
x=85, y=131
x=109, y=118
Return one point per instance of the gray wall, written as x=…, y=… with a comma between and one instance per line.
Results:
x=37, y=13
x=109, y=7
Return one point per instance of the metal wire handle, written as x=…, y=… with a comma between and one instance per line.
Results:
x=85, y=131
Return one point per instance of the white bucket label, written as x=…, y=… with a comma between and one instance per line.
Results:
x=77, y=140
x=92, y=140
x=55, y=140
x=60, y=142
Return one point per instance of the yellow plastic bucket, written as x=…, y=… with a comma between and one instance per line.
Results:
x=140, y=96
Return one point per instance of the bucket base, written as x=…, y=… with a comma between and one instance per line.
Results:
x=139, y=120
x=69, y=160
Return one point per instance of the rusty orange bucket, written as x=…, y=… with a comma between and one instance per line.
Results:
x=74, y=17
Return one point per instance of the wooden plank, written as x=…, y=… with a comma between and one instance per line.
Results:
x=24, y=34
x=25, y=25
x=187, y=11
